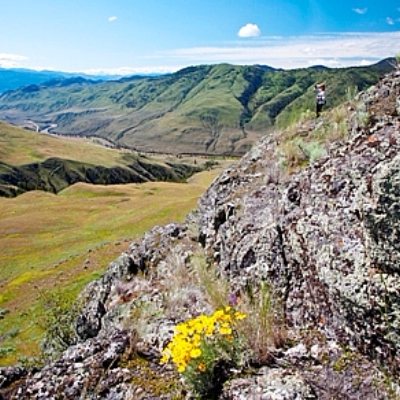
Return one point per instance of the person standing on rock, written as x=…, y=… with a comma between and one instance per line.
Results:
x=320, y=99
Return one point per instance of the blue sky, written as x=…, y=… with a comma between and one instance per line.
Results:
x=137, y=36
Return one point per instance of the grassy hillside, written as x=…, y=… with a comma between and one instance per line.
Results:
x=204, y=109
x=35, y=161
x=60, y=242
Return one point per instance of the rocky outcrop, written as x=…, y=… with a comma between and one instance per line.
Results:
x=327, y=241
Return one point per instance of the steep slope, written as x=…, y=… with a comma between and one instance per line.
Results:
x=323, y=239
x=35, y=161
x=204, y=109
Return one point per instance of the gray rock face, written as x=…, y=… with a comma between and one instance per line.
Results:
x=328, y=237
x=327, y=241
x=275, y=384
x=86, y=370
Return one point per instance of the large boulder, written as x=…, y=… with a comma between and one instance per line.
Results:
x=327, y=238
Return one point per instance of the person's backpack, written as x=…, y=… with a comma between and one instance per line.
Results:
x=321, y=99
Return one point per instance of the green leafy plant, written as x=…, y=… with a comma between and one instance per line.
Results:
x=362, y=115
x=314, y=151
x=204, y=347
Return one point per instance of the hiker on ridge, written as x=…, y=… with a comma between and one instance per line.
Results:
x=320, y=99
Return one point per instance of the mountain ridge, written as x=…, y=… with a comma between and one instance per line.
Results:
x=15, y=78
x=214, y=109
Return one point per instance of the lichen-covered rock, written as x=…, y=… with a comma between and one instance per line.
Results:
x=10, y=377
x=270, y=384
x=86, y=369
x=327, y=237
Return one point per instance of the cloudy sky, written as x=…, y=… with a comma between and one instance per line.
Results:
x=138, y=36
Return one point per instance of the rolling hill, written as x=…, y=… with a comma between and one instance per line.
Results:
x=214, y=109
x=35, y=161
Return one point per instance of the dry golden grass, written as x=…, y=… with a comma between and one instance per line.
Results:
x=19, y=146
x=63, y=241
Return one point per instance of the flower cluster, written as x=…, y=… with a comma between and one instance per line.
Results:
x=197, y=342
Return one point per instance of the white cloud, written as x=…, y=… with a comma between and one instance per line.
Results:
x=249, y=30
x=11, y=60
x=132, y=70
x=334, y=50
x=365, y=63
x=341, y=50
x=389, y=21
x=112, y=19
x=360, y=10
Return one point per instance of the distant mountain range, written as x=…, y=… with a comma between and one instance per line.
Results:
x=14, y=78
x=202, y=109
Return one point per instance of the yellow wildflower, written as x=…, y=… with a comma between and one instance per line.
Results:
x=181, y=368
x=218, y=314
x=225, y=330
x=196, y=340
x=202, y=367
x=165, y=358
x=239, y=315
x=195, y=353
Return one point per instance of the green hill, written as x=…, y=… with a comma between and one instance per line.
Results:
x=216, y=109
x=34, y=161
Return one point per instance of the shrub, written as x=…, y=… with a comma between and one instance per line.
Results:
x=3, y=312
x=57, y=320
x=262, y=329
x=339, y=128
x=13, y=332
x=6, y=350
x=292, y=155
x=363, y=119
x=315, y=151
x=203, y=348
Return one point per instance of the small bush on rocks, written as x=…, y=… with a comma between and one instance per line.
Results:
x=57, y=320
